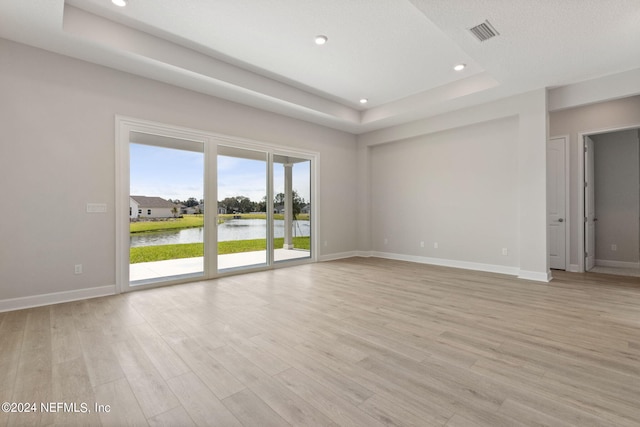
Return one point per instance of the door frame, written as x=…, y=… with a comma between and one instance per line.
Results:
x=124, y=125
x=580, y=186
x=589, y=189
x=567, y=188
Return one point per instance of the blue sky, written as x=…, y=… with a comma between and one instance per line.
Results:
x=179, y=174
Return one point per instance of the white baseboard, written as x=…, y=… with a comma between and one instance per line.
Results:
x=55, y=298
x=617, y=264
x=364, y=254
x=490, y=268
x=535, y=275
x=339, y=255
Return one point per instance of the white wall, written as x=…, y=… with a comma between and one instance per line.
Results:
x=617, y=197
x=456, y=188
x=593, y=118
x=474, y=181
x=57, y=118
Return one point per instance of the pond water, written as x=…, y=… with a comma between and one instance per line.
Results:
x=234, y=229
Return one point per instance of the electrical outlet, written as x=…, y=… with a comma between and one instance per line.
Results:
x=386, y=240
x=505, y=251
x=614, y=247
x=78, y=269
x=325, y=243
x=422, y=244
x=435, y=245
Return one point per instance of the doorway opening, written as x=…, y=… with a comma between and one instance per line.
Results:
x=610, y=202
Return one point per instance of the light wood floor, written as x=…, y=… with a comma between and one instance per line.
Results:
x=366, y=342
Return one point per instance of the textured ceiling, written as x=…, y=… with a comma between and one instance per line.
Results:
x=398, y=54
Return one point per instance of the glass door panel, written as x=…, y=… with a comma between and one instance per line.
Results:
x=291, y=208
x=166, y=209
x=242, y=208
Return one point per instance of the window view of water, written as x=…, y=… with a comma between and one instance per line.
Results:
x=233, y=229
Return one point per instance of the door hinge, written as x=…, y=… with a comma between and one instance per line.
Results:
x=585, y=148
x=586, y=254
x=586, y=219
x=586, y=184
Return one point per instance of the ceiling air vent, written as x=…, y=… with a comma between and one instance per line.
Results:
x=484, y=31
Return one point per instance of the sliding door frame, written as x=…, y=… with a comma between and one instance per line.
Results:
x=123, y=128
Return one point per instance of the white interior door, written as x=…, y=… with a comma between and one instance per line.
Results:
x=589, y=205
x=556, y=203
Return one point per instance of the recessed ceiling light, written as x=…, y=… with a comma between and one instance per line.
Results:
x=460, y=67
x=320, y=40
x=364, y=101
x=121, y=3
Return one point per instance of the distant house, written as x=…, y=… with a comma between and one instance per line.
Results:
x=187, y=210
x=279, y=209
x=190, y=210
x=151, y=207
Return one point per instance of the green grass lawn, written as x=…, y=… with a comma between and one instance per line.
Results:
x=192, y=250
x=187, y=221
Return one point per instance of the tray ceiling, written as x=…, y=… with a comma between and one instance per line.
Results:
x=398, y=54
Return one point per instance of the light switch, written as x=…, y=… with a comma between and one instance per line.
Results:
x=96, y=207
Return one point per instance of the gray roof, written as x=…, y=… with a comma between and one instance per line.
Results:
x=152, y=202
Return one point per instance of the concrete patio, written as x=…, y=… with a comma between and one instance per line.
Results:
x=145, y=271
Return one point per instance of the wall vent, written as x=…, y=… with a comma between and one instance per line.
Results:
x=484, y=31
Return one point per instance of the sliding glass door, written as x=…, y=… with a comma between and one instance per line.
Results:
x=242, y=213
x=194, y=205
x=166, y=209
x=291, y=208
